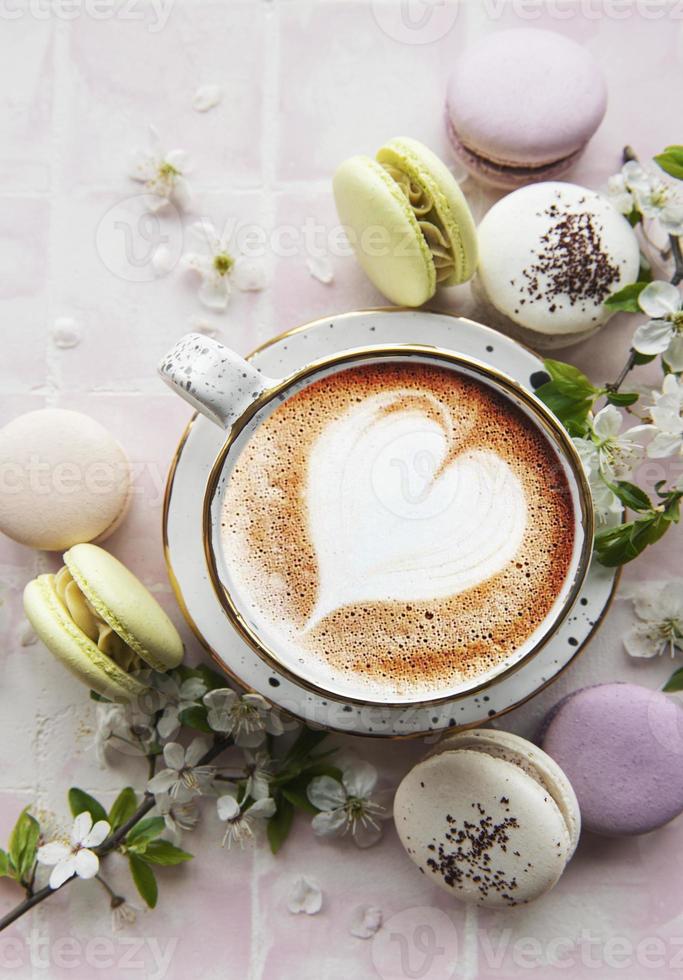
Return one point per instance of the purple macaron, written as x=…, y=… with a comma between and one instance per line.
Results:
x=621, y=746
x=521, y=106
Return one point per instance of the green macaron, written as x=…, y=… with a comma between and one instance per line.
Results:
x=407, y=220
x=101, y=622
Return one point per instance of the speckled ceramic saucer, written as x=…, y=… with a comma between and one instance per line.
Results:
x=185, y=555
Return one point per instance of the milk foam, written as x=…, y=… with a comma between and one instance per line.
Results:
x=396, y=530
x=395, y=513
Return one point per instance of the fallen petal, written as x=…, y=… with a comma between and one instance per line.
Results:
x=305, y=896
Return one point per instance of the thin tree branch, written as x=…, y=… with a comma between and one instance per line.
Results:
x=109, y=845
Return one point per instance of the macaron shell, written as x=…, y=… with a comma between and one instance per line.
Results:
x=534, y=761
x=621, y=746
x=384, y=232
x=418, y=161
x=481, y=828
x=69, y=644
x=510, y=237
x=526, y=97
x=507, y=178
x=121, y=599
x=67, y=480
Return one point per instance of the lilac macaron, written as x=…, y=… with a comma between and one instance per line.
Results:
x=521, y=106
x=621, y=746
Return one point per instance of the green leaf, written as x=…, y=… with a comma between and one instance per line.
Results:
x=645, y=270
x=145, y=831
x=280, y=825
x=626, y=299
x=94, y=696
x=639, y=358
x=164, y=853
x=307, y=740
x=5, y=867
x=569, y=394
x=622, y=398
x=144, y=879
x=123, y=807
x=568, y=376
x=82, y=802
x=195, y=717
x=634, y=216
x=620, y=545
x=631, y=496
x=675, y=682
x=671, y=161
x=23, y=843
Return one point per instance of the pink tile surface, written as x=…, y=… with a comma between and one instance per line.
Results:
x=305, y=84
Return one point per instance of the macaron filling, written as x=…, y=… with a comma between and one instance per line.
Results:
x=422, y=206
x=86, y=618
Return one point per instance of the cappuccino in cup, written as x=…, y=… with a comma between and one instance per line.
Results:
x=397, y=529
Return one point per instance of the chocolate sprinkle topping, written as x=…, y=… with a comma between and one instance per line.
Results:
x=470, y=858
x=571, y=262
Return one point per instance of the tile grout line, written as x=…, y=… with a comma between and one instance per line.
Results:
x=269, y=149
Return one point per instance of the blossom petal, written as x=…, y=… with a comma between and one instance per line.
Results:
x=169, y=724
x=53, y=853
x=195, y=750
x=329, y=822
x=222, y=698
x=214, y=292
x=326, y=793
x=638, y=643
x=62, y=872
x=81, y=827
x=674, y=355
x=659, y=299
x=87, y=863
x=99, y=833
x=174, y=755
x=365, y=834
x=263, y=809
x=163, y=781
x=653, y=337
x=227, y=806
x=360, y=779
x=664, y=444
x=305, y=896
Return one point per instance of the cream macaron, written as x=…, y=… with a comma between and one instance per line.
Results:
x=64, y=480
x=550, y=254
x=101, y=622
x=488, y=817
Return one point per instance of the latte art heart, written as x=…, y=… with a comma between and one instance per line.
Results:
x=395, y=513
x=396, y=529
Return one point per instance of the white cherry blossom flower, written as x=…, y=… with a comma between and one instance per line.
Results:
x=217, y=269
x=123, y=727
x=659, y=607
x=605, y=501
x=617, y=451
x=178, y=697
x=667, y=419
x=183, y=778
x=240, y=819
x=76, y=857
x=619, y=195
x=653, y=197
x=162, y=173
x=123, y=913
x=248, y=718
x=178, y=817
x=663, y=333
x=305, y=896
x=349, y=805
x=258, y=767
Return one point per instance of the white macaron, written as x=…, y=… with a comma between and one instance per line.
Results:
x=64, y=480
x=488, y=817
x=550, y=254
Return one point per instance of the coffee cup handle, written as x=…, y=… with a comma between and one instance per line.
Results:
x=215, y=380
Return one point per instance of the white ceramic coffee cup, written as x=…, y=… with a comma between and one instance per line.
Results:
x=233, y=394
